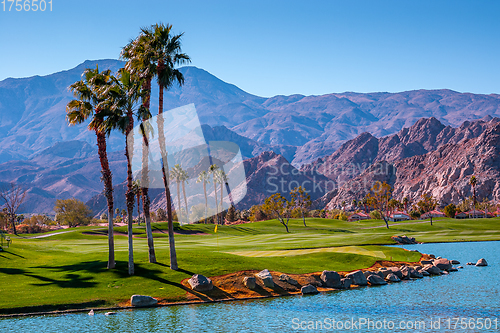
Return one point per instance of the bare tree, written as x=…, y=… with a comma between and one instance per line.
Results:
x=13, y=197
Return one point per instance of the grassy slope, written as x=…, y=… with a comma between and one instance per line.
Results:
x=68, y=269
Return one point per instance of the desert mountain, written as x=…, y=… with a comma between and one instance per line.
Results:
x=32, y=113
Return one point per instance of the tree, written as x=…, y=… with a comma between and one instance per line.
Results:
x=72, y=212
x=379, y=197
x=231, y=214
x=405, y=203
x=301, y=200
x=450, y=210
x=184, y=180
x=12, y=197
x=213, y=170
x=161, y=214
x=278, y=206
x=136, y=188
x=176, y=174
x=473, y=183
x=89, y=102
x=204, y=179
x=221, y=178
x=343, y=205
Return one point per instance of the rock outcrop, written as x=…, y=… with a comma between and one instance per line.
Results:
x=357, y=278
x=142, y=300
x=481, y=262
x=309, y=289
x=330, y=279
x=199, y=282
x=266, y=278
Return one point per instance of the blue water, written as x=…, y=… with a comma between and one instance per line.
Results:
x=427, y=305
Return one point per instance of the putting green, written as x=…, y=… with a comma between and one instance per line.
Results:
x=299, y=252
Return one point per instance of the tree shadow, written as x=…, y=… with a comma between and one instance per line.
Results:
x=56, y=307
x=67, y=281
x=11, y=253
x=178, y=270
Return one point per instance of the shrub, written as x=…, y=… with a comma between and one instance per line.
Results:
x=375, y=215
x=415, y=214
x=161, y=215
x=31, y=229
x=450, y=210
x=231, y=214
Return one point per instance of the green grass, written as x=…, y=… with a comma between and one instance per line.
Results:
x=68, y=270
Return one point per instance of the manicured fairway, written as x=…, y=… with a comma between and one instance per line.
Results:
x=68, y=270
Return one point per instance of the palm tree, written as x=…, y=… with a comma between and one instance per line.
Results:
x=89, y=103
x=343, y=205
x=473, y=183
x=141, y=64
x=184, y=180
x=176, y=174
x=203, y=178
x=222, y=179
x=354, y=203
x=123, y=96
x=213, y=170
x=405, y=203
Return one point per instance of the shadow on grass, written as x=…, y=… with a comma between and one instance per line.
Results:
x=8, y=252
x=59, y=307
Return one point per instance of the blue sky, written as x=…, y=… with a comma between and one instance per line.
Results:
x=277, y=47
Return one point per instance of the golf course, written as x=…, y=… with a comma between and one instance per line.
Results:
x=67, y=269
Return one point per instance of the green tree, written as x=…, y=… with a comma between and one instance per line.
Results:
x=231, y=214
x=405, y=203
x=177, y=174
x=301, y=200
x=450, y=210
x=277, y=205
x=72, y=212
x=89, y=103
x=203, y=178
x=161, y=214
x=379, y=197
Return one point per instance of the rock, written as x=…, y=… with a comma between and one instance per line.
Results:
x=331, y=279
x=443, y=264
x=345, y=283
x=375, y=280
x=111, y=313
x=309, y=289
x=418, y=268
x=91, y=312
x=415, y=274
x=288, y=279
x=481, y=262
x=444, y=273
x=141, y=300
x=404, y=240
x=455, y=262
x=396, y=271
x=424, y=273
x=405, y=271
x=199, y=282
x=460, y=267
x=391, y=277
x=439, y=258
x=357, y=278
x=453, y=269
x=432, y=270
x=266, y=277
x=432, y=256
x=426, y=262
x=470, y=263
x=249, y=282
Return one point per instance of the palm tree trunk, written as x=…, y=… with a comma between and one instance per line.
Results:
x=206, y=200
x=12, y=219
x=303, y=217
x=138, y=208
x=185, y=201
x=108, y=192
x=221, y=203
x=129, y=143
x=216, y=202
x=179, y=201
x=145, y=174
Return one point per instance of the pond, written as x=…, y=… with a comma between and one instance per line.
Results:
x=467, y=300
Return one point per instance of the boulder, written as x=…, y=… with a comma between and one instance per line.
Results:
x=470, y=263
x=367, y=274
x=405, y=272
x=142, y=300
x=453, y=269
x=309, y=289
x=404, y=239
x=330, y=279
x=443, y=264
x=395, y=271
x=432, y=256
x=345, y=283
x=460, y=267
x=455, y=262
x=199, y=282
x=249, y=282
x=412, y=273
x=288, y=279
x=266, y=277
x=375, y=280
x=426, y=262
x=444, y=272
x=357, y=278
x=481, y=262
x=424, y=273
x=392, y=278
x=432, y=270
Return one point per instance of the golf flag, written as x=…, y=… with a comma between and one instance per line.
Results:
x=215, y=230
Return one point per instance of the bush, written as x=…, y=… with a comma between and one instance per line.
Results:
x=231, y=214
x=375, y=215
x=31, y=229
x=415, y=214
x=104, y=216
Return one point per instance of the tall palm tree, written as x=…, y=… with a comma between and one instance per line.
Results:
x=141, y=64
x=88, y=104
x=176, y=174
x=203, y=178
x=123, y=96
x=213, y=170
x=223, y=179
x=184, y=180
x=405, y=203
x=473, y=183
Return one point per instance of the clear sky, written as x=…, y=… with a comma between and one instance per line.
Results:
x=277, y=47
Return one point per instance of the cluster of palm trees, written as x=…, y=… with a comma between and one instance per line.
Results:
x=112, y=102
